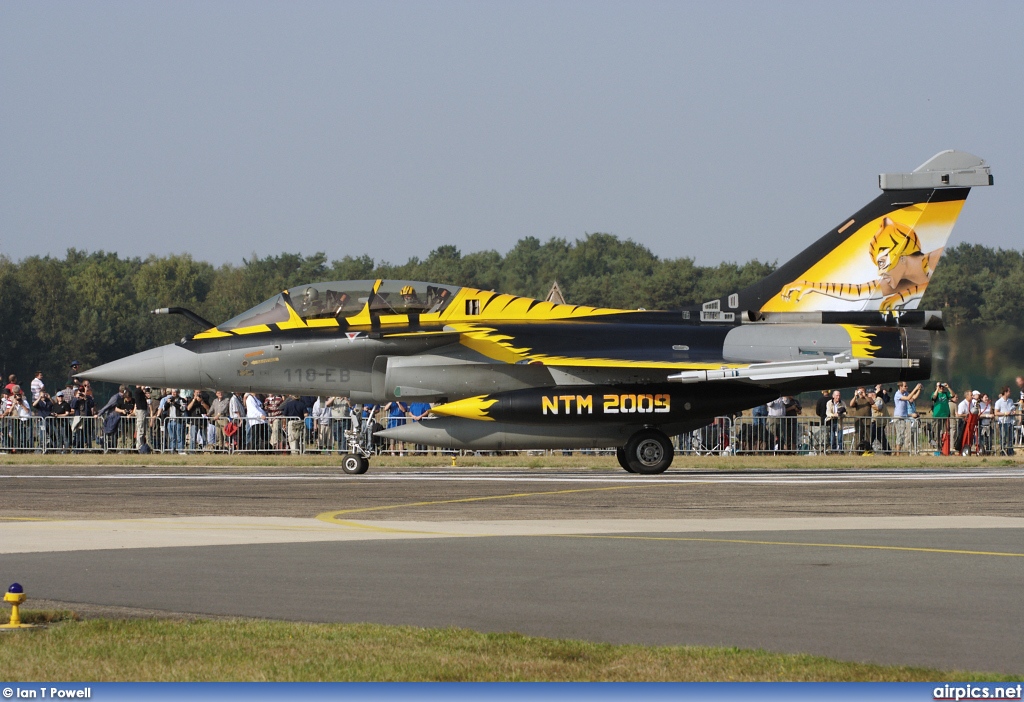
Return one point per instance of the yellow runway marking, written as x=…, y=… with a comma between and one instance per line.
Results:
x=332, y=517
x=919, y=549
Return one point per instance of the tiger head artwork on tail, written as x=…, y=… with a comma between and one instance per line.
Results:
x=882, y=258
x=903, y=272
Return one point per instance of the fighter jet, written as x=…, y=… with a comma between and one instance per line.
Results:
x=510, y=372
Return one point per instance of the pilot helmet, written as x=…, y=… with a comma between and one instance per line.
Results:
x=311, y=294
x=407, y=290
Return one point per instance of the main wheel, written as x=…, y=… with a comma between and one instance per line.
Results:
x=620, y=454
x=649, y=451
x=354, y=465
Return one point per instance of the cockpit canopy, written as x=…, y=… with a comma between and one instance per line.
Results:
x=340, y=299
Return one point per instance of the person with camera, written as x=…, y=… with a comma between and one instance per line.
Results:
x=902, y=416
x=197, y=410
x=172, y=408
x=860, y=408
x=42, y=406
x=940, y=417
x=17, y=412
x=835, y=412
x=83, y=407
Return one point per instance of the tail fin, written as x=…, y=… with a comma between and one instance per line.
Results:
x=881, y=258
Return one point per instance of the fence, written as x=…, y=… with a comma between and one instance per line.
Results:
x=296, y=435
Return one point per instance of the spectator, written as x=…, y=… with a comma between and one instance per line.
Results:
x=173, y=410
x=84, y=408
x=417, y=411
x=835, y=411
x=60, y=424
x=902, y=426
x=790, y=422
x=37, y=385
x=985, y=424
x=42, y=405
x=157, y=430
x=75, y=365
x=879, y=422
x=17, y=411
x=276, y=418
x=257, y=429
x=141, y=397
x=12, y=382
x=196, y=409
x=1005, y=411
x=322, y=415
x=295, y=411
x=821, y=406
x=940, y=416
x=68, y=393
x=776, y=417
x=967, y=412
x=395, y=412
x=219, y=412
x=341, y=412
x=860, y=408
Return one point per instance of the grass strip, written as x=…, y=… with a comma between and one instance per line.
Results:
x=248, y=650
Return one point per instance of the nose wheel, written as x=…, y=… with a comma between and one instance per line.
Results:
x=354, y=464
x=648, y=451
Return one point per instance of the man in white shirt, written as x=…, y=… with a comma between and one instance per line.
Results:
x=258, y=430
x=1005, y=410
x=776, y=415
x=37, y=385
x=835, y=412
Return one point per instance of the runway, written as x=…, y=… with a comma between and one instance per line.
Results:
x=917, y=567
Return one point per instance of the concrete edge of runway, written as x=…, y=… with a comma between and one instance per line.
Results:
x=43, y=536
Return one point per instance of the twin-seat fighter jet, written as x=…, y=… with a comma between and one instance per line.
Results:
x=509, y=372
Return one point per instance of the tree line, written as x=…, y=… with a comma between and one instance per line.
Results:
x=94, y=306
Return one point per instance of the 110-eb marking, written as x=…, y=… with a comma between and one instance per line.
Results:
x=312, y=375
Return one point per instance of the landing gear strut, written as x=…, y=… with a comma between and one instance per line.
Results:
x=648, y=451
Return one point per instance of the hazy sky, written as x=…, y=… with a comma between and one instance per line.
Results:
x=717, y=130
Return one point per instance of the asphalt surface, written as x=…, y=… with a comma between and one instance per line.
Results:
x=902, y=567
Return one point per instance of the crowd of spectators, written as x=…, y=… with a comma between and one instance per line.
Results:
x=184, y=420
x=897, y=421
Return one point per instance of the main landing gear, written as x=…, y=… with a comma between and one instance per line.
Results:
x=648, y=451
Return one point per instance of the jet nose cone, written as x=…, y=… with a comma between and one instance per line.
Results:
x=165, y=366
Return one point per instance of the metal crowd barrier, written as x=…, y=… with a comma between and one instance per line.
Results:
x=724, y=436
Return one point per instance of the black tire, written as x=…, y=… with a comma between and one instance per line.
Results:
x=354, y=465
x=620, y=454
x=649, y=451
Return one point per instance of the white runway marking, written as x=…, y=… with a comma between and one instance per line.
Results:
x=92, y=535
x=777, y=478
